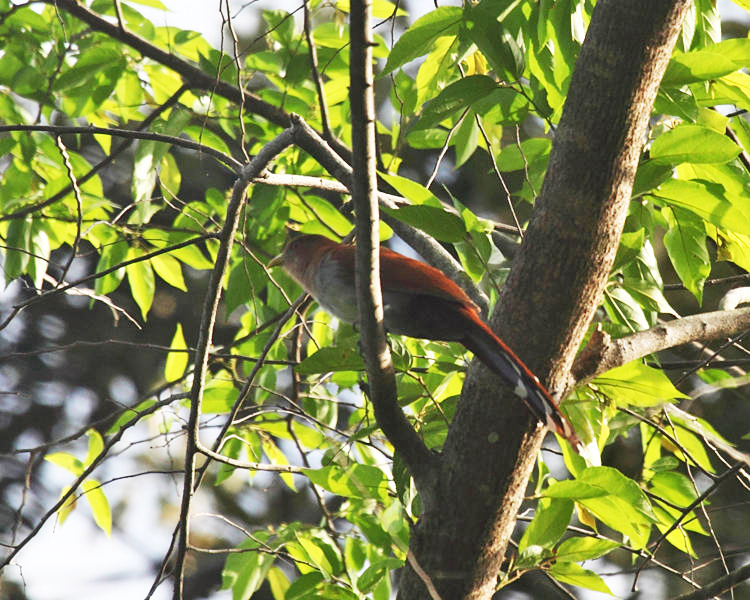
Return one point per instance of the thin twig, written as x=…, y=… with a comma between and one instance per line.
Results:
x=313, y=52
x=126, y=133
x=81, y=478
x=79, y=205
x=58, y=290
x=686, y=511
x=499, y=175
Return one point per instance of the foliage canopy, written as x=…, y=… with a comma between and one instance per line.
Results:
x=116, y=133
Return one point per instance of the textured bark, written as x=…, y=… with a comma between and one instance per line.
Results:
x=554, y=288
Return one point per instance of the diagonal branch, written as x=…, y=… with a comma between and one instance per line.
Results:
x=720, y=585
x=603, y=354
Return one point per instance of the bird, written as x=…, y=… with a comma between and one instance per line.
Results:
x=419, y=301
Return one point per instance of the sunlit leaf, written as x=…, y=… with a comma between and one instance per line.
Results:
x=574, y=574
x=693, y=143
x=177, y=359
x=99, y=505
x=417, y=40
x=637, y=384
x=141, y=280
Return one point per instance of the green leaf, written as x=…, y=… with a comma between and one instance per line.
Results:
x=92, y=62
x=533, y=150
x=456, y=97
x=637, y=384
x=412, y=190
x=678, y=537
x=220, y=394
x=677, y=102
x=170, y=177
x=693, y=144
x=574, y=574
x=377, y=571
x=574, y=489
x=429, y=139
x=170, y=270
x=331, y=359
x=631, y=244
x=418, y=39
x=278, y=582
x=705, y=199
x=692, y=444
x=438, y=68
x=67, y=461
x=357, y=481
x=576, y=549
x=381, y=9
x=231, y=448
x=372, y=529
x=99, y=505
x=549, y=524
x=40, y=252
x=111, y=255
x=302, y=587
x=96, y=445
x=321, y=550
x=177, y=361
x=141, y=279
x=246, y=278
x=503, y=51
x=650, y=175
x=67, y=507
x=685, y=242
x=674, y=487
x=699, y=65
x=277, y=457
x=17, y=251
x=129, y=414
x=151, y=3
x=144, y=181
x=435, y=221
x=244, y=572
x=620, y=503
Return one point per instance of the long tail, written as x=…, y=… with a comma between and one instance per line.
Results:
x=496, y=355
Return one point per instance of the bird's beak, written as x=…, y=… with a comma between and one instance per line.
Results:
x=276, y=261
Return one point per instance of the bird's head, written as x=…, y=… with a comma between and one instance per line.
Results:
x=300, y=254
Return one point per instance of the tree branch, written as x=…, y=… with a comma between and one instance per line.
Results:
x=551, y=295
x=603, y=353
x=720, y=585
x=124, y=133
x=430, y=250
x=205, y=334
x=380, y=372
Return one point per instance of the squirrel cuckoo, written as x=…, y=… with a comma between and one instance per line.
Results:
x=418, y=301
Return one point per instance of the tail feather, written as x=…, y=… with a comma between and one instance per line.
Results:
x=497, y=356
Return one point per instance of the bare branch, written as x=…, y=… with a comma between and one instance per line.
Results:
x=127, y=133
x=720, y=585
x=72, y=490
x=208, y=319
x=604, y=354
x=64, y=288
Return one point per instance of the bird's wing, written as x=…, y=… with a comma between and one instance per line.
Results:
x=408, y=275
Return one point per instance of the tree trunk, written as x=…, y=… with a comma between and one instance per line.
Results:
x=549, y=300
